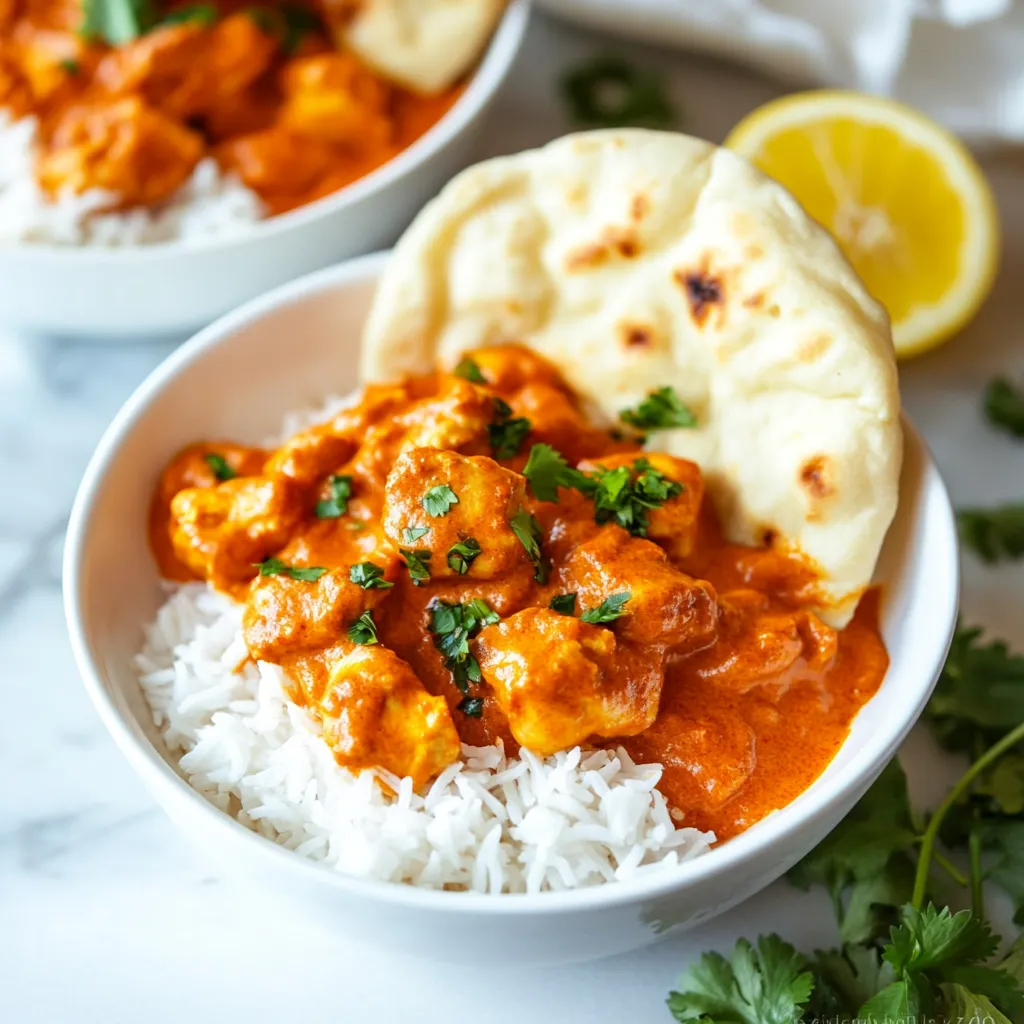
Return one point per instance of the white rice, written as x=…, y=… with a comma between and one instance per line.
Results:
x=209, y=203
x=488, y=823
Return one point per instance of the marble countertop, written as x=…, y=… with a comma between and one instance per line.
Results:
x=108, y=915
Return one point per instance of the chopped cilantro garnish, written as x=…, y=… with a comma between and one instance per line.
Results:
x=364, y=629
x=71, y=66
x=564, y=604
x=368, y=576
x=1004, y=406
x=290, y=23
x=438, y=500
x=527, y=529
x=506, y=432
x=993, y=533
x=337, y=504
x=546, y=470
x=462, y=555
x=660, y=409
x=411, y=534
x=275, y=567
x=608, y=610
x=472, y=706
x=201, y=13
x=625, y=495
x=221, y=470
x=417, y=561
x=608, y=91
x=453, y=626
x=468, y=370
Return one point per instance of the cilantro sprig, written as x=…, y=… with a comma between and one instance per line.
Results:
x=528, y=530
x=993, y=533
x=607, y=91
x=506, y=432
x=364, y=630
x=337, y=504
x=462, y=555
x=453, y=626
x=467, y=369
x=275, y=567
x=417, y=561
x=659, y=410
x=610, y=609
x=221, y=469
x=1004, y=406
x=368, y=576
x=439, y=501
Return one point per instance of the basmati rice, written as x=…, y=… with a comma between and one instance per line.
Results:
x=209, y=203
x=488, y=823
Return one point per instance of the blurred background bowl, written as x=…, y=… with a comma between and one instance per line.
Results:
x=290, y=350
x=176, y=287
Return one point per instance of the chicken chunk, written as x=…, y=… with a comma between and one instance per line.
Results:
x=221, y=533
x=332, y=96
x=15, y=92
x=206, y=465
x=559, y=680
x=188, y=68
x=665, y=607
x=673, y=525
x=376, y=713
x=762, y=644
x=458, y=500
x=278, y=164
x=507, y=368
x=284, y=616
x=123, y=147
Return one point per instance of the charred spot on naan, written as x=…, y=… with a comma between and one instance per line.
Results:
x=633, y=335
x=816, y=480
x=639, y=207
x=614, y=241
x=704, y=292
x=814, y=348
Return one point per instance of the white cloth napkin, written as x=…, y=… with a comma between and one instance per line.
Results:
x=962, y=61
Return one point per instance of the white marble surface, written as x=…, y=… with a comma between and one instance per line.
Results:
x=106, y=915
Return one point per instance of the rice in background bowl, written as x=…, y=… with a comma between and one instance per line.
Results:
x=173, y=287
x=186, y=397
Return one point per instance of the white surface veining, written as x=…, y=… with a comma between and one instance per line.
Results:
x=107, y=915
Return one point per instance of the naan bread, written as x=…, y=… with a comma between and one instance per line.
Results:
x=425, y=45
x=638, y=259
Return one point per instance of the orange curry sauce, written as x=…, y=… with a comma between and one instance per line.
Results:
x=265, y=89
x=716, y=668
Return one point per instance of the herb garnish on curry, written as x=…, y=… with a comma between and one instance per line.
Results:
x=463, y=556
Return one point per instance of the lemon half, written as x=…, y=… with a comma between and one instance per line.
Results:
x=904, y=198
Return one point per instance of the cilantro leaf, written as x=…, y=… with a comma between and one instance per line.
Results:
x=846, y=979
x=564, y=604
x=527, y=529
x=70, y=66
x=862, y=862
x=660, y=409
x=931, y=938
x=290, y=23
x=546, y=470
x=468, y=370
x=221, y=470
x=901, y=1000
x=200, y=13
x=337, y=504
x=1004, y=406
x=506, y=432
x=980, y=692
x=368, y=576
x=275, y=567
x=472, y=706
x=462, y=555
x=417, y=561
x=607, y=91
x=116, y=21
x=993, y=533
x=364, y=630
x=439, y=500
x=971, y=1008
x=608, y=610
x=453, y=626
x=411, y=534
x=625, y=495
x=767, y=985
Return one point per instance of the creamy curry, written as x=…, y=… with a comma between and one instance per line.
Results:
x=261, y=88
x=464, y=557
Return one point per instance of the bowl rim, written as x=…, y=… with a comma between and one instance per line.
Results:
x=169, y=787
x=490, y=74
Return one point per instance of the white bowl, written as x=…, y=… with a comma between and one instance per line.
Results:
x=290, y=349
x=179, y=286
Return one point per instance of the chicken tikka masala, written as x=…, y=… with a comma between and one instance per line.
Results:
x=463, y=557
x=130, y=96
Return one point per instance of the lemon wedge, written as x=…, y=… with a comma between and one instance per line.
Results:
x=904, y=198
